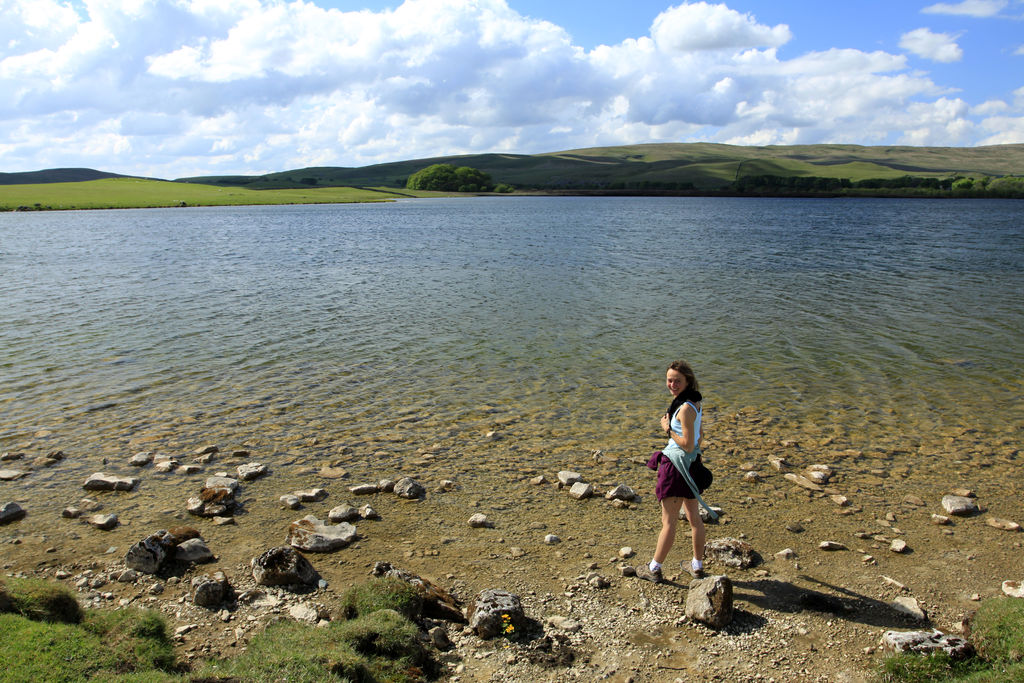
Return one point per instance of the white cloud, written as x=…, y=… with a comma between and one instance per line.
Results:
x=970, y=8
x=192, y=87
x=702, y=26
x=1019, y=51
x=938, y=47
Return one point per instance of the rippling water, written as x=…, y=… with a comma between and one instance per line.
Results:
x=399, y=325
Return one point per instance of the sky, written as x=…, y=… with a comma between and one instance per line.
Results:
x=177, y=88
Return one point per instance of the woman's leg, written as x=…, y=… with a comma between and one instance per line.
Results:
x=669, y=521
x=697, y=525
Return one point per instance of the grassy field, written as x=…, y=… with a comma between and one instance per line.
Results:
x=121, y=193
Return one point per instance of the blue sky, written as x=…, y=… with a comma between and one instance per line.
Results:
x=170, y=88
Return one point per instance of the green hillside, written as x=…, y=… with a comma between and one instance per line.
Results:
x=700, y=166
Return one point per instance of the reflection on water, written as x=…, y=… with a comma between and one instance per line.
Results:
x=853, y=323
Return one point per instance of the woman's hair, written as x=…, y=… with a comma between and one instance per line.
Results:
x=684, y=368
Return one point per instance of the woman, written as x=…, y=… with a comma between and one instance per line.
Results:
x=681, y=475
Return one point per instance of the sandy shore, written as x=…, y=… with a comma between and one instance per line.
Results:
x=818, y=616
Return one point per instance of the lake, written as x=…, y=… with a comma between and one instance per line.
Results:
x=339, y=332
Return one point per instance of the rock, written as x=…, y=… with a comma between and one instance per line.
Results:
x=704, y=514
x=480, y=521
x=7, y=456
x=795, y=527
x=598, y=581
x=210, y=591
x=439, y=638
x=128, y=576
x=141, y=459
x=621, y=492
x=251, y=470
x=926, y=642
x=363, y=489
x=149, y=554
x=551, y=539
x=779, y=464
x=911, y=499
x=190, y=469
x=841, y=501
x=627, y=570
x=1004, y=524
x=108, y=482
x=961, y=506
x=386, y=486
x=283, y=566
x=304, y=612
x=786, y=554
x=709, y=601
x=626, y=552
x=312, y=535
x=166, y=466
x=437, y=602
x=910, y=607
x=446, y=485
x=11, y=512
x=367, y=512
x=311, y=495
x=898, y=545
x=963, y=493
x=539, y=480
x=819, y=474
x=220, y=481
x=329, y=472
x=496, y=612
x=752, y=476
x=223, y=521
x=802, y=481
x=291, y=502
x=71, y=513
x=206, y=450
x=1013, y=588
x=581, y=490
x=409, y=488
x=11, y=475
x=940, y=520
x=831, y=545
x=567, y=478
x=104, y=522
x=343, y=513
x=193, y=550
x=732, y=552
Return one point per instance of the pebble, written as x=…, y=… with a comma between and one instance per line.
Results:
x=898, y=546
x=1004, y=524
x=479, y=521
x=831, y=545
x=551, y=539
x=960, y=506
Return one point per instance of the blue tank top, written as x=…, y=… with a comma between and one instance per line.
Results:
x=677, y=427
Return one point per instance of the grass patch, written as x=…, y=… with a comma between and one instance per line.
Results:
x=997, y=633
x=381, y=646
x=124, y=193
x=382, y=593
x=46, y=636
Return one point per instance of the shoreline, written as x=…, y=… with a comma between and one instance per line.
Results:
x=630, y=630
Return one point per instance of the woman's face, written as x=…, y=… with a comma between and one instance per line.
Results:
x=675, y=381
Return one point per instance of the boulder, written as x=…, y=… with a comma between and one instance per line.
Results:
x=621, y=492
x=343, y=513
x=104, y=522
x=567, y=478
x=149, y=554
x=961, y=506
x=480, y=521
x=409, y=488
x=312, y=535
x=210, y=591
x=109, y=482
x=927, y=642
x=709, y=601
x=437, y=602
x=193, y=550
x=732, y=552
x=364, y=489
x=495, y=613
x=11, y=512
x=311, y=495
x=581, y=490
x=251, y=470
x=283, y=566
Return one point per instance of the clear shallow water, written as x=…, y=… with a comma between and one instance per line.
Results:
x=407, y=324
